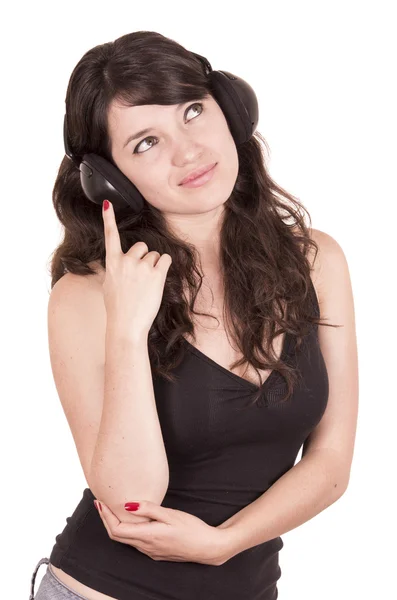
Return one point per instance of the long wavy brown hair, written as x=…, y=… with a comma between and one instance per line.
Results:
x=264, y=241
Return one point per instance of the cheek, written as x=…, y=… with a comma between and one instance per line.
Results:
x=221, y=140
x=155, y=187
x=231, y=157
x=148, y=179
x=132, y=172
x=231, y=166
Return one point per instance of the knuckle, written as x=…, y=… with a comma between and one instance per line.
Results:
x=146, y=265
x=143, y=244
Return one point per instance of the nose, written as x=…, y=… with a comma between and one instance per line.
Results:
x=188, y=153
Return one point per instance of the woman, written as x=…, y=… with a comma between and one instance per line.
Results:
x=199, y=423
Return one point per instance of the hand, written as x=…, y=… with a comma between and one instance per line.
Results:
x=172, y=535
x=134, y=281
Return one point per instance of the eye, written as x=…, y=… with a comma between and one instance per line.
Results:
x=151, y=137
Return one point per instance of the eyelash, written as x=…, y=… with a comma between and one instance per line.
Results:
x=151, y=136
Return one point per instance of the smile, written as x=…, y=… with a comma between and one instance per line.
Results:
x=201, y=180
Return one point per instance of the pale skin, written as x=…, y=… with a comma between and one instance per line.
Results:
x=195, y=215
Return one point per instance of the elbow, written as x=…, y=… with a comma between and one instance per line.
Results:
x=115, y=499
x=339, y=486
x=338, y=474
x=342, y=487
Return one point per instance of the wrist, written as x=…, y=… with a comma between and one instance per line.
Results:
x=118, y=330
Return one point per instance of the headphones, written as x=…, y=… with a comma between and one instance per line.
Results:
x=100, y=179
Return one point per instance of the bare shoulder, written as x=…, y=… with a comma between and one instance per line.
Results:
x=327, y=262
x=72, y=281
x=78, y=295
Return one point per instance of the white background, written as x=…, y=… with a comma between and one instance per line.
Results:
x=324, y=74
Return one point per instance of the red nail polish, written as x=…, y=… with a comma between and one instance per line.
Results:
x=105, y=204
x=131, y=505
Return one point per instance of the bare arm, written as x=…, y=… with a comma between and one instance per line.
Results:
x=105, y=387
x=129, y=459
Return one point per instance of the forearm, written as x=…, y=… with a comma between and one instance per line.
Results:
x=312, y=485
x=129, y=460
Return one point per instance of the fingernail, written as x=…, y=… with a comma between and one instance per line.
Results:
x=131, y=505
x=105, y=204
x=96, y=505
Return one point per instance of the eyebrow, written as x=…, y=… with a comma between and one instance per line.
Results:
x=139, y=134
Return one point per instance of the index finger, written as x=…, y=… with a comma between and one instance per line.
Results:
x=112, y=236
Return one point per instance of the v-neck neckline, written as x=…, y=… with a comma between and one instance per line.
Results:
x=244, y=382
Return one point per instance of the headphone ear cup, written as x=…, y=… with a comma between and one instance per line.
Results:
x=238, y=102
x=101, y=180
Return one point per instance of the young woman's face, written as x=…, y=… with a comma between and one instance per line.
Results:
x=180, y=139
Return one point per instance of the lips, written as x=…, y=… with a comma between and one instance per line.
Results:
x=194, y=174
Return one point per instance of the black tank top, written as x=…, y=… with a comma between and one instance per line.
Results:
x=221, y=458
